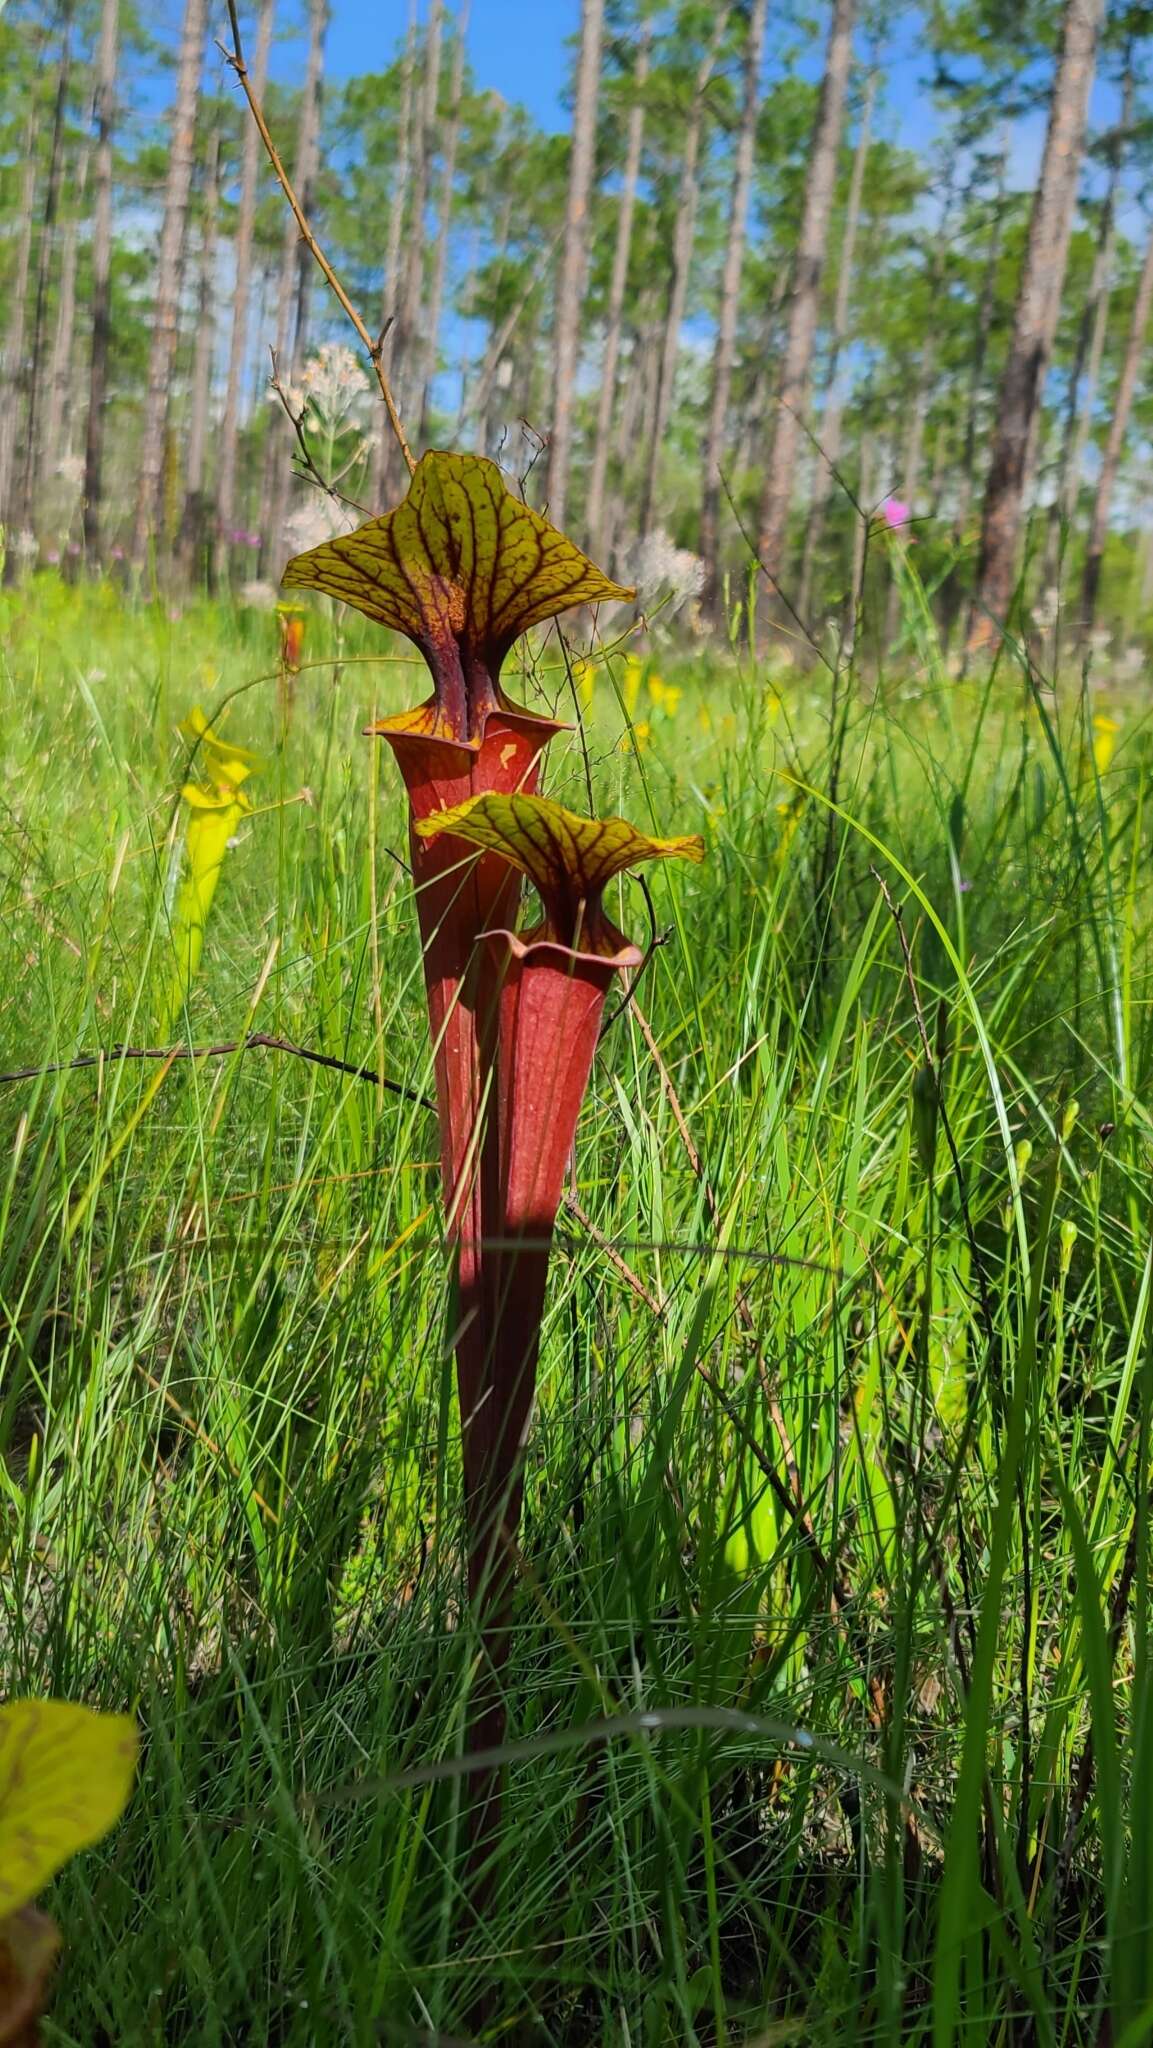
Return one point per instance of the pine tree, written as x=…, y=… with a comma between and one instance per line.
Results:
x=724, y=349
x=574, y=256
x=166, y=305
x=808, y=267
x=1035, y=318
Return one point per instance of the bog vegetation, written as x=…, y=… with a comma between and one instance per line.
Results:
x=604, y=1447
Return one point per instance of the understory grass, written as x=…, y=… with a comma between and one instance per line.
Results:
x=830, y=1703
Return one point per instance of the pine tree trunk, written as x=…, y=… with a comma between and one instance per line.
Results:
x=618, y=285
x=913, y=451
x=13, y=358
x=986, y=306
x=194, y=524
x=490, y=381
x=1118, y=427
x=58, y=410
x=103, y=117
x=289, y=342
x=1086, y=371
x=837, y=388
x=724, y=351
x=800, y=339
x=306, y=176
x=634, y=428
x=473, y=406
x=33, y=433
x=684, y=235
x=241, y=298
x=853, y=620
x=1034, y=321
x=755, y=408
x=385, y=453
x=410, y=326
x=572, y=272
x=166, y=307
x=443, y=223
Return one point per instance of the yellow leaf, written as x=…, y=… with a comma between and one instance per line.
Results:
x=461, y=561
x=570, y=859
x=65, y=1776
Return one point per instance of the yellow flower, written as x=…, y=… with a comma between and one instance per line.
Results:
x=631, y=685
x=638, y=739
x=1105, y=730
x=665, y=696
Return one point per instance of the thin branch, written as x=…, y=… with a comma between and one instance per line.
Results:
x=656, y=940
x=606, y=1245
x=254, y=1040
x=374, y=349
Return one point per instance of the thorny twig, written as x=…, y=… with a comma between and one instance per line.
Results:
x=373, y=348
x=605, y=1244
x=254, y=1040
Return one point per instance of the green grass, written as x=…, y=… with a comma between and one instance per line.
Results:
x=228, y=1450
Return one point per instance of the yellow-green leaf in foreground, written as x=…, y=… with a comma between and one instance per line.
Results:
x=65, y=1776
x=220, y=759
x=570, y=859
x=212, y=825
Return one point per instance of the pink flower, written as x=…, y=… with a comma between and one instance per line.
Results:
x=895, y=514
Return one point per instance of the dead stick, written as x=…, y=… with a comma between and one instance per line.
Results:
x=216, y=1052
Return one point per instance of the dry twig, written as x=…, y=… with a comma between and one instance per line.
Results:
x=254, y=1040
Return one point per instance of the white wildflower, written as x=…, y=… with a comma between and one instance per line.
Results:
x=314, y=522
x=662, y=571
x=25, y=546
x=258, y=596
x=333, y=375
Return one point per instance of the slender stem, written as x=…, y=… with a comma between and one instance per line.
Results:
x=374, y=349
x=216, y=1052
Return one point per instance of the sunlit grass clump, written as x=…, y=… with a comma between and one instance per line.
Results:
x=833, y=1558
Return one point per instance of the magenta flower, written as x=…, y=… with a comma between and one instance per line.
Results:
x=896, y=515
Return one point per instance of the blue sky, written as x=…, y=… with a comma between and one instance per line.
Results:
x=522, y=48
x=519, y=46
